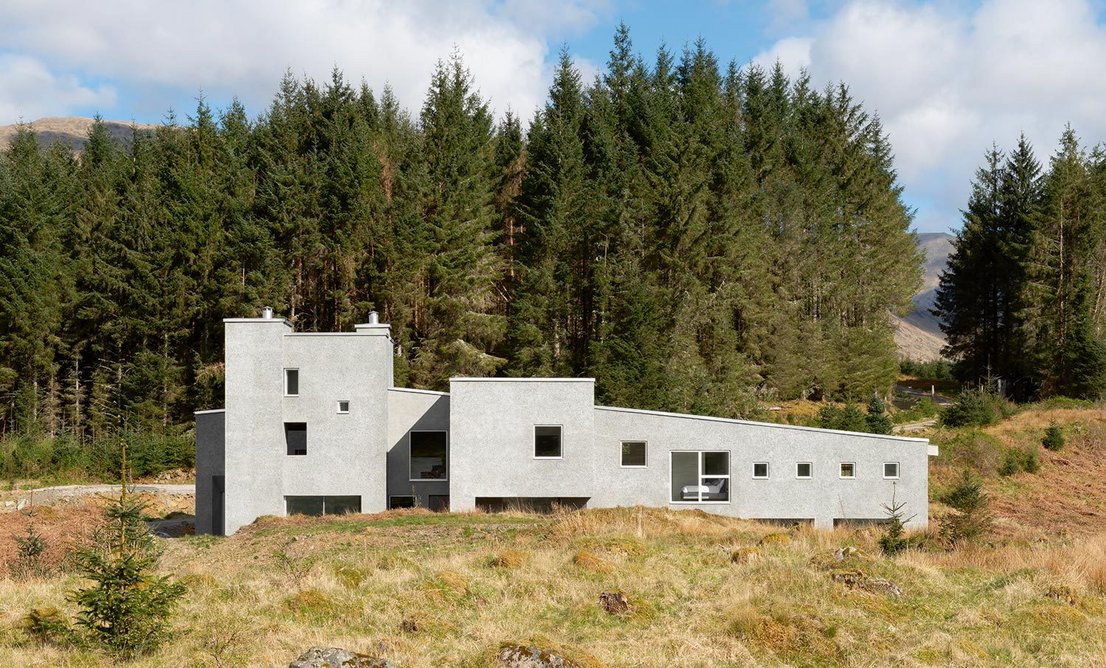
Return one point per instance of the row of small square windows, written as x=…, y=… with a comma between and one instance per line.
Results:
x=633, y=456
x=805, y=470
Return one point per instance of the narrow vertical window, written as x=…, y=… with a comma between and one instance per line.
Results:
x=291, y=382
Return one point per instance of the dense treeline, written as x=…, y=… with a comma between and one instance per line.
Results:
x=1024, y=296
x=692, y=236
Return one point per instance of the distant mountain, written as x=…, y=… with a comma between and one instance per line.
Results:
x=918, y=334
x=72, y=131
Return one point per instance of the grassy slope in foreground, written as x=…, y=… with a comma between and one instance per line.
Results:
x=471, y=582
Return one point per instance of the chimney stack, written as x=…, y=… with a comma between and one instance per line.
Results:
x=374, y=318
x=267, y=313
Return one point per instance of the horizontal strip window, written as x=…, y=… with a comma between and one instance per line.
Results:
x=322, y=505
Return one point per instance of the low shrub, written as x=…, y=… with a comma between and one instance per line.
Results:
x=1016, y=460
x=29, y=561
x=972, y=519
x=974, y=408
x=848, y=418
x=1054, y=438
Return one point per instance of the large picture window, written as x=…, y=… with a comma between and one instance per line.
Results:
x=700, y=477
x=428, y=455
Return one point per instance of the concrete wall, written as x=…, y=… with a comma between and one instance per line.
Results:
x=415, y=410
x=253, y=386
x=492, y=424
x=346, y=453
x=823, y=498
x=210, y=440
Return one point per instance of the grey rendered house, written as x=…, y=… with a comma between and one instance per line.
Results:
x=313, y=425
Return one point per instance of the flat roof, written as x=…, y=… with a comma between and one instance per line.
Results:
x=688, y=416
x=415, y=391
x=212, y=410
x=510, y=379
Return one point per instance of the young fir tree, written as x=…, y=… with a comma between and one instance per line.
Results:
x=127, y=608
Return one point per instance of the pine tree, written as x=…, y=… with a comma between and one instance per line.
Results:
x=460, y=326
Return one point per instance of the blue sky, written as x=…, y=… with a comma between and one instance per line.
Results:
x=947, y=78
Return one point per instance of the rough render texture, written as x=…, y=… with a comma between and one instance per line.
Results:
x=490, y=425
x=822, y=498
x=492, y=437
x=346, y=453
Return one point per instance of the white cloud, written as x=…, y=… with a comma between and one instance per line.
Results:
x=242, y=47
x=948, y=81
x=792, y=53
x=29, y=90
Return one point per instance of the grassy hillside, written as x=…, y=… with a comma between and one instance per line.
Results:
x=1066, y=497
x=428, y=589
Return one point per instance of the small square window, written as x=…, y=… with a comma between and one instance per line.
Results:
x=804, y=470
x=547, y=442
x=295, y=437
x=633, y=453
x=848, y=470
x=291, y=382
x=891, y=470
x=760, y=470
x=343, y=406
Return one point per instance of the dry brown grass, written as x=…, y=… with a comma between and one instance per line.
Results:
x=1066, y=497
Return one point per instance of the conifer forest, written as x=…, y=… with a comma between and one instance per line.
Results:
x=698, y=237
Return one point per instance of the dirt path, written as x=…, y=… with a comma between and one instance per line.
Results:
x=914, y=426
x=48, y=496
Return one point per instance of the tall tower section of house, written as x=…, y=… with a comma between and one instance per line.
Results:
x=304, y=427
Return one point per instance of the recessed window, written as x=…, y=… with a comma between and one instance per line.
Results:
x=699, y=477
x=633, y=453
x=322, y=505
x=295, y=437
x=401, y=502
x=343, y=406
x=804, y=470
x=848, y=470
x=891, y=470
x=291, y=382
x=428, y=455
x=760, y=470
x=547, y=441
